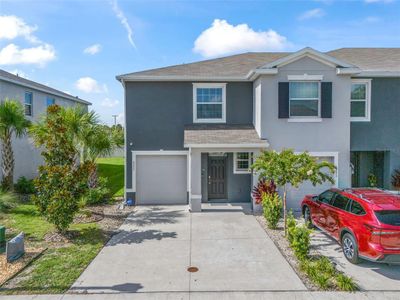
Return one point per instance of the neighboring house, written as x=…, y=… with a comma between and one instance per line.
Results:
x=35, y=98
x=192, y=130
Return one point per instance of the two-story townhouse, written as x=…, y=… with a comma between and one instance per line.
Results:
x=35, y=98
x=192, y=130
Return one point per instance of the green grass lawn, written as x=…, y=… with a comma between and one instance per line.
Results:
x=112, y=168
x=58, y=268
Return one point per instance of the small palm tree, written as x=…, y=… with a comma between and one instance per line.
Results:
x=12, y=122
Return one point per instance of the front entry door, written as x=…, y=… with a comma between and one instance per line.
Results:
x=216, y=177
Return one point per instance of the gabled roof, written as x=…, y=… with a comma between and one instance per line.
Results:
x=378, y=61
x=6, y=76
x=222, y=135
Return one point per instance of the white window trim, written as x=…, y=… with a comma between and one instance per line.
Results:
x=209, y=85
x=235, y=168
x=367, y=118
x=31, y=104
x=305, y=77
x=335, y=156
x=306, y=118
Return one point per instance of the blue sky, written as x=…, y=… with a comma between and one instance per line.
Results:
x=46, y=40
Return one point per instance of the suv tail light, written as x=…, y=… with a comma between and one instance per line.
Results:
x=373, y=229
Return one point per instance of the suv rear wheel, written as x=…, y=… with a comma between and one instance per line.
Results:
x=350, y=248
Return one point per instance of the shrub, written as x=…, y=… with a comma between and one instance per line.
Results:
x=272, y=206
x=62, y=181
x=345, y=283
x=291, y=225
x=7, y=201
x=396, y=179
x=314, y=270
x=24, y=186
x=263, y=187
x=300, y=241
x=98, y=194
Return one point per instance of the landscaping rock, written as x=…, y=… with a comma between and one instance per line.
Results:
x=15, y=248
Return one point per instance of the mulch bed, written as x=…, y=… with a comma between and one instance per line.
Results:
x=8, y=270
x=281, y=242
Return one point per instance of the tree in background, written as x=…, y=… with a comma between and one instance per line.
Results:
x=12, y=122
x=92, y=139
x=288, y=168
x=62, y=180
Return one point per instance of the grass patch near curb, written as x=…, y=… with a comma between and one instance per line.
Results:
x=112, y=168
x=58, y=268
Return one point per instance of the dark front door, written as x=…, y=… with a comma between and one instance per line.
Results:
x=216, y=177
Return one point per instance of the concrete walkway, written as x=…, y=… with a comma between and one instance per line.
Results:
x=157, y=244
x=369, y=276
x=271, y=295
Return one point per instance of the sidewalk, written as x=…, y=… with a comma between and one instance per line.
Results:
x=297, y=295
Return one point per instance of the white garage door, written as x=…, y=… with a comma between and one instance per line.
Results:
x=161, y=179
x=296, y=195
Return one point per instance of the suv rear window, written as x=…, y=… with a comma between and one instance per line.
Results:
x=389, y=217
x=340, y=202
x=357, y=209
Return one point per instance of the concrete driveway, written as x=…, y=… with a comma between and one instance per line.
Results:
x=369, y=276
x=157, y=244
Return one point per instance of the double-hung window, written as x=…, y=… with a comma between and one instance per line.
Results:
x=209, y=103
x=50, y=101
x=304, y=99
x=360, y=100
x=242, y=162
x=28, y=103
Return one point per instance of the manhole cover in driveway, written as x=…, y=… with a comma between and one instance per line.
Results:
x=192, y=269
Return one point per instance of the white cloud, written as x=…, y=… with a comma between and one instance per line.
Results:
x=90, y=85
x=93, y=49
x=124, y=21
x=12, y=27
x=121, y=118
x=223, y=38
x=39, y=55
x=107, y=102
x=313, y=13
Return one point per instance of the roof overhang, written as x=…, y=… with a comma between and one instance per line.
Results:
x=342, y=68
x=229, y=146
x=33, y=87
x=179, y=78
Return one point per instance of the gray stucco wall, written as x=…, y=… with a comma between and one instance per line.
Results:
x=330, y=135
x=382, y=133
x=156, y=113
x=27, y=156
x=238, y=185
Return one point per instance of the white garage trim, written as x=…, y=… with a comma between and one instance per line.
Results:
x=160, y=152
x=335, y=156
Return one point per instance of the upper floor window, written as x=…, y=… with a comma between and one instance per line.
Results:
x=209, y=103
x=360, y=100
x=242, y=162
x=304, y=99
x=50, y=101
x=28, y=103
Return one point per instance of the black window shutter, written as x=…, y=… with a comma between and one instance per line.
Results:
x=283, y=95
x=326, y=99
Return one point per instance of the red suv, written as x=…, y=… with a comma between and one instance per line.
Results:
x=365, y=221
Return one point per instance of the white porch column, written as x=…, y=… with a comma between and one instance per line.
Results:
x=195, y=180
x=257, y=208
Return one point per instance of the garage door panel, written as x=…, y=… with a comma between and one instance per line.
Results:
x=161, y=179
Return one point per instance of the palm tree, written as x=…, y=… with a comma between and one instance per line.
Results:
x=12, y=122
x=91, y=138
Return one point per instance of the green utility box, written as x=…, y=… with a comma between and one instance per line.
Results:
x=2, y=234
x=2, y=239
